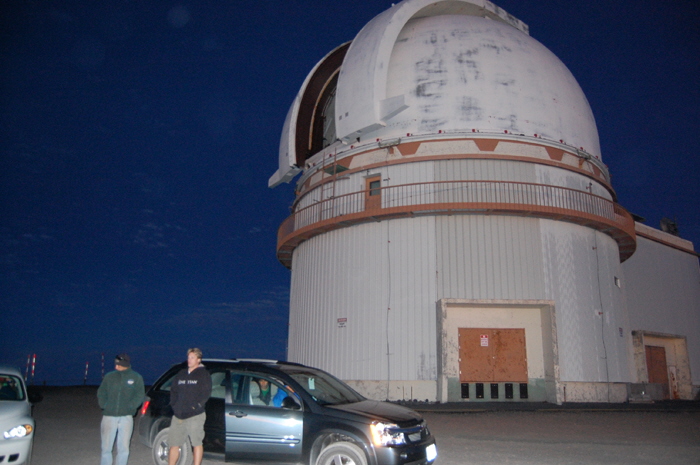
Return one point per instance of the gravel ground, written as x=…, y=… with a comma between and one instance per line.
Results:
x=68, y=429
x=68, y=433
x=567, y=437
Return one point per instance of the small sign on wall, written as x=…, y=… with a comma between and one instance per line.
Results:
x=342, y=322
x=484, y=340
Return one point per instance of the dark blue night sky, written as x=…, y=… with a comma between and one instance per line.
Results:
x=137, y=139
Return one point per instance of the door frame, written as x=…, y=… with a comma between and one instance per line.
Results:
x=536, y=316
x=373, y=195
x=677, y=360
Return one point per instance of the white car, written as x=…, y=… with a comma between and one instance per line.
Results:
x=16, y=422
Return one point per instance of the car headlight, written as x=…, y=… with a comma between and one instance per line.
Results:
x=18, y=431
x=385, y=434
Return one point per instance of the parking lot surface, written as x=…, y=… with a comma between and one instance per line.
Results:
x=68, y=432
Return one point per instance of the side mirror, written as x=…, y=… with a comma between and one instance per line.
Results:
x=290, y=403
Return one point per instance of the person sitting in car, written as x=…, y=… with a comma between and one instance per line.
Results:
x=268, y=393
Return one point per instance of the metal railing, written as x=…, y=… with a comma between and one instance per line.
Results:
x=454, y=197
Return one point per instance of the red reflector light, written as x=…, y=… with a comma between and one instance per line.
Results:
x=145, y=407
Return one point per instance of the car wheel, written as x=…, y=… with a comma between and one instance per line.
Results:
x=161, y=450
x=342, y=453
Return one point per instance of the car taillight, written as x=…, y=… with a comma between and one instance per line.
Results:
x=145, y=406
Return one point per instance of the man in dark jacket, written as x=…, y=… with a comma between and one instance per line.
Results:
x=120, y=395
x=189, y=393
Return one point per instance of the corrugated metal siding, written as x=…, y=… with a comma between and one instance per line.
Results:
x=663, y=294
x=330, y=189
x=370, y=274
x=386, y=277
x=478, y=170
x=328, y=277
x=412, y=315
x=398, y=269
x=408, y=173
x=557, y=177
x=489, y=257
x=580, y=267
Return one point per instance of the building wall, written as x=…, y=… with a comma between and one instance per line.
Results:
x=378, y=276
x=371, y=290
x=580, y=270
x=662, y=287
x=489, y=257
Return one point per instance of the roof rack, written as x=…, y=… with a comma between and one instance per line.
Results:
x=251, y=360
x=256, y=360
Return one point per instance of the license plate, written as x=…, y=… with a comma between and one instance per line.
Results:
x=431, y=452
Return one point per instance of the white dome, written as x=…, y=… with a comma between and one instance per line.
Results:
x=458, y=73
x=422, y=67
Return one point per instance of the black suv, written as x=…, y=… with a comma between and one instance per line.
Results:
x=306, y=416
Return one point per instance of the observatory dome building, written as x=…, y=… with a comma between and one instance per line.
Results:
x=455, y=235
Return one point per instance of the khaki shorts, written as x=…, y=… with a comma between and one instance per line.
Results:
x=192, y=427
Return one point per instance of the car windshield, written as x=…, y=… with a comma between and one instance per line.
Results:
x=10, y=388
x=324, y=388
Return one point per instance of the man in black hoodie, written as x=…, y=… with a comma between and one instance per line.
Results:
x=189, y=393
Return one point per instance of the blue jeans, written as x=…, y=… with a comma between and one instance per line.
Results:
x=121, y=428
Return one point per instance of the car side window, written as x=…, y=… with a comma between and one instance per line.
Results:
x=165, y=386
x=266, y=391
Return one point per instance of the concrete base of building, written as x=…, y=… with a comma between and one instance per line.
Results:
x=645, y=392
x=535, y=390
x=612, y=393
x=398, y=390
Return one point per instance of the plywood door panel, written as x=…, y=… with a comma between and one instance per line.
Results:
x=657, y=368
x=492, y=355
x=510, y=356
x=475, y=360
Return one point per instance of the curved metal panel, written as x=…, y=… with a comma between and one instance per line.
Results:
x=363, y=77
x=286, y=157
x=296, y=131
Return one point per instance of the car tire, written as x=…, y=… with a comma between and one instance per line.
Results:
x=342, y=453
x=161, y=450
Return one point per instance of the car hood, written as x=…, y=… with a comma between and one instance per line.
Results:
x=13, y=412
x=384, y=411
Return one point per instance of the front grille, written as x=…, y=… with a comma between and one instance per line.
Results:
x=415, y=434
